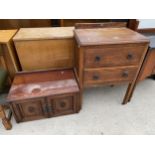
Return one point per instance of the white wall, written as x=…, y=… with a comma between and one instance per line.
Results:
x=146, y=23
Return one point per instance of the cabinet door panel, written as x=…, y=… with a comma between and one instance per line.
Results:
x=30, y=110
x=61, y=105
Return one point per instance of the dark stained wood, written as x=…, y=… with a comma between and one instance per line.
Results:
x=114, y=55
x=133, y=24
x=148, y=65
x=109, y=75
x=147, y=30
x=109, y=56
x=24, y=23
x=100, y=25
x=62, y=105
x=42, y=94
x=102, y=36
x=72, y=22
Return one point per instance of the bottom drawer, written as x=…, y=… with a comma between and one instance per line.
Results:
x=109, y=75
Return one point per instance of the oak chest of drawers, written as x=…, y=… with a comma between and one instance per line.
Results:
x=45, y=48
x=44, y=94
x=109, y=56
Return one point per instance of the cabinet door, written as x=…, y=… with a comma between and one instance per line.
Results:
x=29, y=110
x=62, y=105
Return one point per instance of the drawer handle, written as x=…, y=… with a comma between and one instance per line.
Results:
x=95, y=77
x=97, y=58
x=62, y=104
x=125, y=74
x=129, y=56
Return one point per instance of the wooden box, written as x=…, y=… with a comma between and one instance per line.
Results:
x=36, y=95
x=45, y=48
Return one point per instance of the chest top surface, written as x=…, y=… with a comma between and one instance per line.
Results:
x=44, y=83
x=102, y=36
x=6, y=35
x=44, y=33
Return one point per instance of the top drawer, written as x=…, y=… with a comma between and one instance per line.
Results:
x=114, y=55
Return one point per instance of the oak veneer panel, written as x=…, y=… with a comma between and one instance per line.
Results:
x=45, y=54
x=10, y=59
x=148, y=65
x=44, y=33
x=29, y=110
x=6, y=35
x=45, y=48
x=149, y=61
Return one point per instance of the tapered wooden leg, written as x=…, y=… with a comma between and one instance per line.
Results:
x=129, y=93
x=6, y=122
x=125, y=100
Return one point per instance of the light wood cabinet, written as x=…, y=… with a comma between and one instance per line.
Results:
x=45, y=48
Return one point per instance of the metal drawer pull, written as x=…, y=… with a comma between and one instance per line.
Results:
x=95, y=77
x=97, y=58
x=129, y=56
x=125, y=74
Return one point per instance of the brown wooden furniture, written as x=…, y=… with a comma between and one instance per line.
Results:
x=100, y=25
x=72, y=22
x=45, y=48
x=24, y=23
x=36, y=95
x=8, y=57
x=148, y=67
x=109, y=56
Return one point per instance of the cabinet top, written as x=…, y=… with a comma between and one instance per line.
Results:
x=102, y=36
x=30, y=85
x=44, y=33
x=6, y=35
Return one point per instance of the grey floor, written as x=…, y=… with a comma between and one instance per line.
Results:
x=101, y=114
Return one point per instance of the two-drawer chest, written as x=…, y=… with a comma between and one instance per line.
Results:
x=109, y=56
